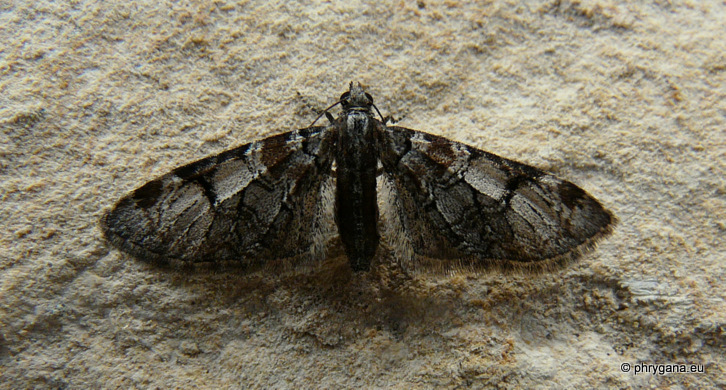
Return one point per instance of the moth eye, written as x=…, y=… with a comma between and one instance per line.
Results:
x=369, y=97
x=344, y=96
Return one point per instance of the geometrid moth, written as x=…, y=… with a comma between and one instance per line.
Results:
x=443, y=204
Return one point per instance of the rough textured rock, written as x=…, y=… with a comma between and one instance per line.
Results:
x=625, y=100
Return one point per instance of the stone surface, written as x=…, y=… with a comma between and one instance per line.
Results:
x=625, y=100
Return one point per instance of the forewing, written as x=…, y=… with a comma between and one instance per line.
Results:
x=455, y=202
x=256, y=202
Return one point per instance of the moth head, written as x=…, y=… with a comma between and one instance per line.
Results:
x=356, y=97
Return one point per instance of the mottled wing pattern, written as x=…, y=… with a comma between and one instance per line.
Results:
x=260, y=200
x=452, y=201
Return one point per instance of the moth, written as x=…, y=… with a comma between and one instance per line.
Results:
x=435, y=202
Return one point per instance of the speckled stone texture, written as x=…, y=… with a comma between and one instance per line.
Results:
x=626, y=100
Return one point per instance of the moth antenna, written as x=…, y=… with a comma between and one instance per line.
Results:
x=379, y=113
x=326, y=112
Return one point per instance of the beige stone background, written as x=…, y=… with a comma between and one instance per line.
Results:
x=627, y=100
